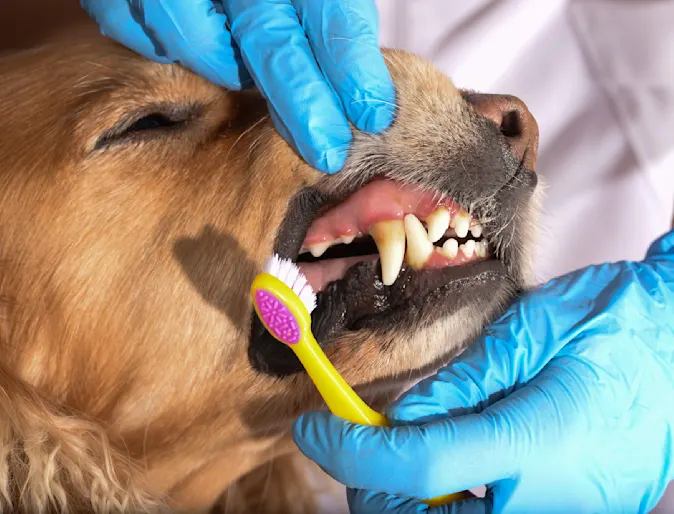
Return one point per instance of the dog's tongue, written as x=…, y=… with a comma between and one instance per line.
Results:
x=319, y=274
x=380, y=200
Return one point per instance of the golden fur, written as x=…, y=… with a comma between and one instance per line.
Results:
x=125, y=383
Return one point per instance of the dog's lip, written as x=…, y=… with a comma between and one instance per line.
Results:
x=361, y=301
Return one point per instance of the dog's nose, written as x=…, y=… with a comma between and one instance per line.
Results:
x=512, y=117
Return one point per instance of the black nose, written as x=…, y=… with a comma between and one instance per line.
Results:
x=512, y=117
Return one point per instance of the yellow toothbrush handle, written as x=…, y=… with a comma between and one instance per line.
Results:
x=343, y=401
x=337, y=394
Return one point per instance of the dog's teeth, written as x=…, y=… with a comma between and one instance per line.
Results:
x=319, y=248
x=468, y=248
x=419, y=248
x=476, y=230
x=451, y=248
x=438, y=223
x=481, y=249
x=347, y=240
x=461, y=223
x=389, y=236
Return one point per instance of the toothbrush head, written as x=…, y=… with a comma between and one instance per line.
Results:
x=291, y=275
x=283, y=300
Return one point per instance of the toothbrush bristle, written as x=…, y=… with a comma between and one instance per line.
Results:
x=291, y=275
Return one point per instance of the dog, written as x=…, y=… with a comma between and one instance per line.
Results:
x=137, y=204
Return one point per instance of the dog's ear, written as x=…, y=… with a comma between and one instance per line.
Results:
x=56, y=461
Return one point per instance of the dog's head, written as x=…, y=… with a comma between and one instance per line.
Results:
x=391, y=292
x=138, y=202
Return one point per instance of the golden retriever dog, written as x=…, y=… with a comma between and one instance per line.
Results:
x=138, y=202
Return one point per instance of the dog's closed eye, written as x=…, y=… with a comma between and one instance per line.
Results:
x=151, y=122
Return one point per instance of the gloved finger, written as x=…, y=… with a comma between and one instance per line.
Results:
x=369, y=502
x=660, y=256
x=512, y=350
x=409, y=461
x=195, y=34
x=662, y=247
x=477, y=378
x=362, y=501
x=448, y=456
x=118, y=20
x=277, y=53
x=344, y=37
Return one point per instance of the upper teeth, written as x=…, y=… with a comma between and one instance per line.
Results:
x=389, y=237
x=460, y=223
x=320, y=248
x=407, y=240
x=438, y=223
x=419, y=248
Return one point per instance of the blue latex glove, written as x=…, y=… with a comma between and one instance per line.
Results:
x=314, y=60
x=566, y=404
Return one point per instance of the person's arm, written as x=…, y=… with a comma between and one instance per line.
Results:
x=317, y=62
x=565, y=404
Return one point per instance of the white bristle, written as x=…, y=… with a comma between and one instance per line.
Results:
x=308, y=297
x=300, y=282
x=291, y=275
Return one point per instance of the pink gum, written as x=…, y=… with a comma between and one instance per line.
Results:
x=381, y=200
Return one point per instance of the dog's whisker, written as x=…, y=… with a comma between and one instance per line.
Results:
x=243, y=134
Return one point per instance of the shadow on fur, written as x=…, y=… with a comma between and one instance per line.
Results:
x=213, y=261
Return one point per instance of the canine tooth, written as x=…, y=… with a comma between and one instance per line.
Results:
x=461, y=223
x=347, y=240
x=481, y=249
x=438, y=223
x=389, y=236
x=476, y=230
x=450, y=248
x=419, y=248
x=319, y=248
x=468, y=248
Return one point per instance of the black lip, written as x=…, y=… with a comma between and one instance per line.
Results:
x=360, y=300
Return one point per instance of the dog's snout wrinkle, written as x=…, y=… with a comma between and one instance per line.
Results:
x=513, y=119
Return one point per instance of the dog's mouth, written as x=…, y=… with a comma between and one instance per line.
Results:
x=393, y=224
x=393, y=255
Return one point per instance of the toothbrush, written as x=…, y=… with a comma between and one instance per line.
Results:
x=284, y=300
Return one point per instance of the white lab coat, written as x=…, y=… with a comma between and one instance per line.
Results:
x=598, y=75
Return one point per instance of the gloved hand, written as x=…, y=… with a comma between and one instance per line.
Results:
x=313, y=60
x=565, y=404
